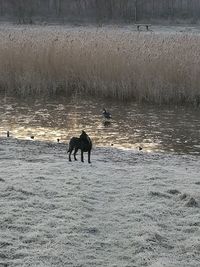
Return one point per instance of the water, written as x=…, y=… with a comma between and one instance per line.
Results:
x=152, y=128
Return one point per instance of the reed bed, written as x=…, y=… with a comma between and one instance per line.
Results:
x=108, y=62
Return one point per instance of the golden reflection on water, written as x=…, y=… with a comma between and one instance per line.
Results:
x=154, y=129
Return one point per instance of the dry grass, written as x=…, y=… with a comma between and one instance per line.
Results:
x=158, y=68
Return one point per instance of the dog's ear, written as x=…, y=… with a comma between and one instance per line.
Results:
x=83, y=132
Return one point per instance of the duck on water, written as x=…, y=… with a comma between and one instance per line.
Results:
x=106, y=114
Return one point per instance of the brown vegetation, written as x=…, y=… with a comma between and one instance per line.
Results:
x=152, y=67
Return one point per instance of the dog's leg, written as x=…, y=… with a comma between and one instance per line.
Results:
x=70, y=152
x=82, y=156
x=89, y=152
x=75, y=151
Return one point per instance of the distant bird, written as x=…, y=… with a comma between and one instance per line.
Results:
x=58, y=140
x=32, y=136
x=140, y=148
x=8, y=134
x=106, y=114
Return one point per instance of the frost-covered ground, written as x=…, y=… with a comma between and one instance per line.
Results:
x=165, y=29
x=127, y=208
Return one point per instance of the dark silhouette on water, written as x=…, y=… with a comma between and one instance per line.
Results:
x=106, y=114
x=107, y=123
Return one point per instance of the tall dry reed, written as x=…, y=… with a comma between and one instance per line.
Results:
x=152, y=67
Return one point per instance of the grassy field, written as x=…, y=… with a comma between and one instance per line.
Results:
x=126, y=208
x=108, y=62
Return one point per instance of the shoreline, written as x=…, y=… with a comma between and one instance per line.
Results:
x=64, y=146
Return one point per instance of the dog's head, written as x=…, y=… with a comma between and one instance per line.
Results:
x=83, y=135
x=86, y=139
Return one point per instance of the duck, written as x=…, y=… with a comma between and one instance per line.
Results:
x=106, y=114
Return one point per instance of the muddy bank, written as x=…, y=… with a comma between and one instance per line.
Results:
x=127, y=208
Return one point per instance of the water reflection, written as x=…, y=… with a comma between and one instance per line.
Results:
x=132, y=125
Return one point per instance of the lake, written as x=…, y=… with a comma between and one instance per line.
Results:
x=154, y=128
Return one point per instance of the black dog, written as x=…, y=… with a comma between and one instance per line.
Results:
x=83, y=143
